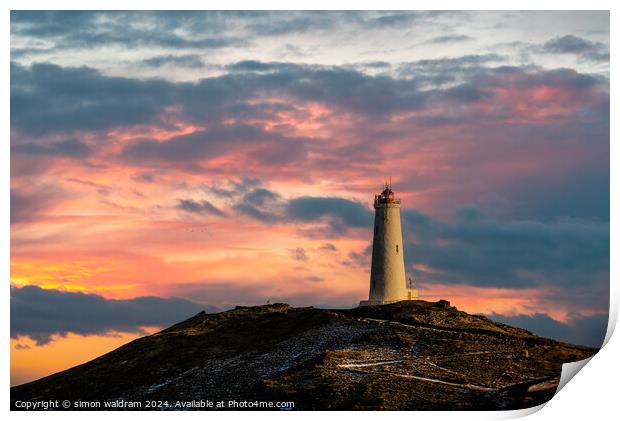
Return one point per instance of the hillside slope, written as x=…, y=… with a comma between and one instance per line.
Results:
x=407, y=355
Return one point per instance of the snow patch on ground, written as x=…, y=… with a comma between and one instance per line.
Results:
x=370, y=364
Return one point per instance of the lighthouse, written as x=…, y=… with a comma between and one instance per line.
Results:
x=388, y=283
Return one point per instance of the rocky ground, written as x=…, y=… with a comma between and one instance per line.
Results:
x=408, y=355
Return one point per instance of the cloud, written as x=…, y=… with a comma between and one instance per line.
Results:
x=340, y=214
x=481, y=251
x=196, y=29
x=261, y=196
x=335, y=213
x=200, y=207
x=288, y=23
x=395, y=19
x=299, y=254
x=255, y=212
x=258, y=66
x=582, y=194
x=29, y=204
x=465, y=92
x=582, y=48
x=448, y=39
x=192, y=61
x=250, y=198
x=231, y=188
x=251, y=141
x=46, y=98
x=144, y=177
x=260, y=204
x=69, y=148
x=328, y=247
x=20, y=346
x=64, y=31
x=454, y=63
x=42, y=313
x=581, y=330
x=282, y=24
x=359, y=259
x=89, y=29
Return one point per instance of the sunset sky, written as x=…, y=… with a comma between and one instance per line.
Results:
x=168, y=162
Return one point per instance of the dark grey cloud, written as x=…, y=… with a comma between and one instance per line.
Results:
x=376, y=65
x=582, y=330
x=282, y=24
x=394, y=19
x=299, y=254
x=328, y=247
x=288, y=24
x=451, y=63
x=582, y=194
x=200, y=207
x=282, y=150
x=450, y=70
x=465, y=92
x=89, y=29
x=210, y=143
x=581, y=47
x=252, y=66
x=231, y=188
x=29, y=205
x=448, y=39
x=187, y=30
x=255, y=66
x=361, y=259
x=566, y=78
x=42, y=313
x=480, y=251
x=101, y=189
x=255, y=201
x=144, y=177
x=46, y=97
x=69, y=148
x=192, y=61
x=261, y=196
x=49, y=24
x=468, y=213
x=339, y=214
x=23, y=207
x=255, y=212
x=568, y=44
x=250, y=198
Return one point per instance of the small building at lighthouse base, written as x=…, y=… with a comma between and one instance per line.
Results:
x=411, y=294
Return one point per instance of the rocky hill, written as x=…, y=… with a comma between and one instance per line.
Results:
x=414, y=355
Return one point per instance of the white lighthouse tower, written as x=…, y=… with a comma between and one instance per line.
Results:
x=388, y=283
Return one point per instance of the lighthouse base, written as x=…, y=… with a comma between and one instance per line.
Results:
x=412, y=294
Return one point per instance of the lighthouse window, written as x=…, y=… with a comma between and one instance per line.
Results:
x=396, y=248
x=376, y=229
